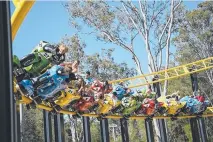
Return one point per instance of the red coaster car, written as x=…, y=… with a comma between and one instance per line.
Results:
x=200, y=98
x=100, y=88
x=149, y=107
x=85, y=105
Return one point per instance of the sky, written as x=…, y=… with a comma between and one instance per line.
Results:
x=48, y=20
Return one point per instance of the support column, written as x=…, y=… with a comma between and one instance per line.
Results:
x=202, y=128
x=17, y=122
x=104, y=130
x=7, y=123
x=86, y=127
x=59, y=128
x=21, y=120
x=194, y=129
x=124, y=130
x=47, y=126
x=198, y=127
x=149, y=131
x=161, y=122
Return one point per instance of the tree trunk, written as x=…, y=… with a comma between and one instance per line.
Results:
x=168, y=44
x=139, y=133
x=72, y=128
x=157, y=131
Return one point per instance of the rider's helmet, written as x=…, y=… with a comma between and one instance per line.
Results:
x=126, y=101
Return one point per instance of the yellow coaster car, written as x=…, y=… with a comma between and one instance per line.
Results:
x=67, y=98
x=171, y=105
x=107, y=104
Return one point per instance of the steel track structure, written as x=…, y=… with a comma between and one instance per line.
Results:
x=22, y=9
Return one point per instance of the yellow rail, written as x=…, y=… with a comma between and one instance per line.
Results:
x=171, y=73
x=24, y=6
x=21, y=10
x=44, y=107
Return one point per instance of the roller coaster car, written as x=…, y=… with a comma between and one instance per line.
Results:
x=107, y=104
x=195, y=105
x=46, y=86
x=68, y=98
x=100, y=88
x=18, y=72
x=38, y=61
x=171, y=105
x=146, y=93
x=17, y=94
x=149, y=107
x=120, y=91
x=22, y=98
x=130, y=106
x=85, y=105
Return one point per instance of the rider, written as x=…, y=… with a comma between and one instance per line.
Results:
x=57, y=50
x=88, y=78
x=43, y=56
x=73, y=76
x=74, y=68
x=121, y=91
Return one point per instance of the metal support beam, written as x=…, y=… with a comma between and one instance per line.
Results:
x=198, y=127
x=7, y=133
x=124, y=130
x=47, y=126
x=162, y=126
x=86, y=127
x=21, y=120
x=149, y=131
x=161, y=123
x=104, y=130
x=194, y=130
x=17, y=123
x=202, y=129
x=59, y=128
x=194, y=82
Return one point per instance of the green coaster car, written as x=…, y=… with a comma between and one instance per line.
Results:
x=131, y=105
x=38, y=61
x=144, y=93
x=18, y=72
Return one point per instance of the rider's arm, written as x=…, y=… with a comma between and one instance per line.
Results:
x=75, y=70
x=62, y=58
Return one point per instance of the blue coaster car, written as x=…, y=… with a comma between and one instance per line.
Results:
x=120, y=91
x=194, y=106
x=46, y=85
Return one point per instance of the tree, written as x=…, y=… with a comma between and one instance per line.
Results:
x=194, y=42
x=195, y=35
x=32, y=126
x=121, y=22
x=102, y=66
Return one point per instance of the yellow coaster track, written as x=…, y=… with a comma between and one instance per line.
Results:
x=208, y=114
x=169, y=74
x=23, y=7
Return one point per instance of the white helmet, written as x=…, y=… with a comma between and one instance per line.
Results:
x=126, y=101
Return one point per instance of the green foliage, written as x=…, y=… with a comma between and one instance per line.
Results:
x=32, y=126
x=101, y=65
x=137, y=132
x=95, y=131
x=194, y=41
